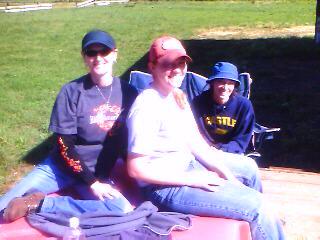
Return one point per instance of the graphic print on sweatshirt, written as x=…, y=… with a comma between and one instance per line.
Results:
x=219, y=124
x=105, y=115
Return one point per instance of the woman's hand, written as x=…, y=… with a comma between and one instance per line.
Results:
x=206, y=180
x=104, y=190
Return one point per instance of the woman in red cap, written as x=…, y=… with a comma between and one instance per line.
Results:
x=174, y=166
x=88, y=121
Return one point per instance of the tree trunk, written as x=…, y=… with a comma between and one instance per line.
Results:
x=317, y=28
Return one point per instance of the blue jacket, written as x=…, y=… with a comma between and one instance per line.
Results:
x=229, y=126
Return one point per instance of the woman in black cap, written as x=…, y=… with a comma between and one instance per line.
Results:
x=88, y=120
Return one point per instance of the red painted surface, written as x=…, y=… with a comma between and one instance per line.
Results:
x=204, y=228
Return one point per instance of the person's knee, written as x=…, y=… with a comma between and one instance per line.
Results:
x=251, y=165
x=243, y=166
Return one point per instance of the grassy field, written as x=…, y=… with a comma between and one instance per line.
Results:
x=40, y=51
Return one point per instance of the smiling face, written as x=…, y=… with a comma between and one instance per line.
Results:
x=99, y=59
x=168, y=76
x=222, y=89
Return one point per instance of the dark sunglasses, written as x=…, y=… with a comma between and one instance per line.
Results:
x=93, y=53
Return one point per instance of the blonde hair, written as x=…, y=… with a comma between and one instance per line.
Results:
x=180, y=97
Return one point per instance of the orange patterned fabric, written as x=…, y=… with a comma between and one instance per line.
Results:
x=73, y=163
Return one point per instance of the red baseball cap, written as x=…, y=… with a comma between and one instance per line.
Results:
x=167, y=49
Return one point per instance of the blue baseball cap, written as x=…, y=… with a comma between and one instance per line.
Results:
x=98, y=37
x=224, y=70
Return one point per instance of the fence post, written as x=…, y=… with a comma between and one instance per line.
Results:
x=317, y=27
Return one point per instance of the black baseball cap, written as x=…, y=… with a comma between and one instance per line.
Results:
x=98, y=37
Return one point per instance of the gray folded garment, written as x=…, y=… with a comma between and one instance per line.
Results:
x=144, y=221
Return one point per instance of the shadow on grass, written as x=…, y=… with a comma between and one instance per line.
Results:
x=285, y=92
x=40, y=152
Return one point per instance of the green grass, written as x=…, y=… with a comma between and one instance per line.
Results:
x=40, y=51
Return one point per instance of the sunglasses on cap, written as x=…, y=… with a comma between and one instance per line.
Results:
x=93, y=53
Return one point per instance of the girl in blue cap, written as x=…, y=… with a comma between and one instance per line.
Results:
x=88, y=122
x=225, y=118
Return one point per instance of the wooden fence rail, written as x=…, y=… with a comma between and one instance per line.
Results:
x=46, y=6
x=25, y=8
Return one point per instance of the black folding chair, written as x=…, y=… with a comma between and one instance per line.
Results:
x=260, y=133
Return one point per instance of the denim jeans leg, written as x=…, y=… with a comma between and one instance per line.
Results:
x=45, y=177
x=73, y=207
x=245, y=169
x=230, y=201
x=119, y=203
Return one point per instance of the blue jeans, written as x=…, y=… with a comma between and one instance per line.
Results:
x=47, y=178
x=245, y=169
x=73, y=207
x=238, y=202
